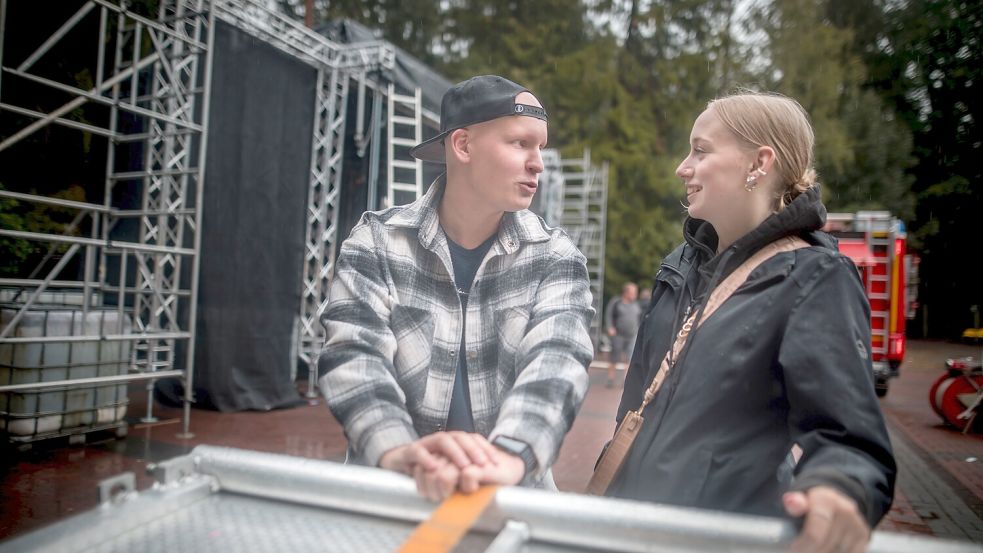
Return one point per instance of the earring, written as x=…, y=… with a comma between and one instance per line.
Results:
x=752, y=183
x=752, y=179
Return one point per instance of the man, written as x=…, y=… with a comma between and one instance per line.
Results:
x=622, y=318
x=457, y=326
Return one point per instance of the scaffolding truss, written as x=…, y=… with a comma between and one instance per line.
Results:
x=152, y=77
x=584, y=217
x=159, y=73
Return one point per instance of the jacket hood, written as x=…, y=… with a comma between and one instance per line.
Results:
x=803, y=217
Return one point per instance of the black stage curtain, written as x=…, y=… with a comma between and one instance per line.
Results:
x=254, y=219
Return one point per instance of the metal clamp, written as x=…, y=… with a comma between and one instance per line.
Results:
x=173, y=471
x=117, y=489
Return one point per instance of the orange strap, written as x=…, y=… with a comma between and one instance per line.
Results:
x=449, y=522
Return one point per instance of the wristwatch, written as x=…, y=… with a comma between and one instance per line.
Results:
x=518, y=448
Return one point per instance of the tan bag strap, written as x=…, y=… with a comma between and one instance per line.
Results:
x=614, y=456
x=720, y=294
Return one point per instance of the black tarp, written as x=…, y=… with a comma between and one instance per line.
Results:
x=253, y=216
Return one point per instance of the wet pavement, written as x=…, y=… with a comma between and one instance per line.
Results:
x=940, y=483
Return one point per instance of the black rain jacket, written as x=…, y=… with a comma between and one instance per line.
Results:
x=785, y=360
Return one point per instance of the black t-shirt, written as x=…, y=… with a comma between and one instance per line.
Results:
x=466, y=263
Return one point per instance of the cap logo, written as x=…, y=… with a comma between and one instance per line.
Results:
x=529, y=111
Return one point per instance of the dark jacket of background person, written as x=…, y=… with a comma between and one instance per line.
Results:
x=785, y=360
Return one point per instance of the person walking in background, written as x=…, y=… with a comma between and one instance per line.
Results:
x=621, y=317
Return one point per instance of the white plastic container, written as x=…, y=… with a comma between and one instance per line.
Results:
x=30, y=415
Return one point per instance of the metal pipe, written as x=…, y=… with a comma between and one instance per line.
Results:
x=120, y=138
x=101, y=47
x=146, y=173
x=32, y=282
x=61, y=121
x=52, y=201
x=94, y=95
x=122, y=213
x=150, y=23
x=93, y=338
x=37, y=292
x=559, y=519
x=76, y=382
x=3, y=29
x=189, y=367
x=149, y=417
x=146, y=248
x=30, y=129
x=134, y=81
x=56, y=36
x=375, y=149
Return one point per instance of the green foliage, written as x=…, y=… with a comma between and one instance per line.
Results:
x=892, y=89
x=16, y=255
x=928, y=68
x=862, y=150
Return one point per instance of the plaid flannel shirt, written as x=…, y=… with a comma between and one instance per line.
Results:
x=394, y=323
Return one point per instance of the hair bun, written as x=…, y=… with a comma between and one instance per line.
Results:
x=806, y=181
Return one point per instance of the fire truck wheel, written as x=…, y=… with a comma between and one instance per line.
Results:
x=880, y=387
x=895, y=368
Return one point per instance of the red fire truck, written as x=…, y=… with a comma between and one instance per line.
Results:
x=875, y=241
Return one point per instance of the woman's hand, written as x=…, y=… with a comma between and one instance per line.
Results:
x=833, y=523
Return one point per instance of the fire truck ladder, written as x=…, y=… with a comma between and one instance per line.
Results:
x=879, y=232
x=404, y=129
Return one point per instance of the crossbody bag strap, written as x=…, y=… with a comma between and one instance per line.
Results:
x=612, y=458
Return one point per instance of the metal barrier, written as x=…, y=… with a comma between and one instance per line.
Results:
x=223, y=499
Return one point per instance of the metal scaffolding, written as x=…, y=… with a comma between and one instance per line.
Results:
x=584, y=217
x=174, y=112
x=159, y=74
x=152, y=77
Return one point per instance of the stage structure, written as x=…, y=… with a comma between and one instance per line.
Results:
x=149, y=254
x=157, y=74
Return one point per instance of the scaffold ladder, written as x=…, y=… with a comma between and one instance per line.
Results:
x=404, y=129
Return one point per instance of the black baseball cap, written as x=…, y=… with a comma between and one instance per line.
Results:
x=473, y=101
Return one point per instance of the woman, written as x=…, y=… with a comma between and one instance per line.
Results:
x=784, y=362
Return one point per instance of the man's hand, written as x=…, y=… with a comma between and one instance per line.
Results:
x=505, y=469
x=611, y=331
x=833, y=522
x=436, y=463
x=460, y=448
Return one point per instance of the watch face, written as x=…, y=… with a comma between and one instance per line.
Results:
x=518, y=448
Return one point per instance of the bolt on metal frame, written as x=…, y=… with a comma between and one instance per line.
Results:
x=172, y=51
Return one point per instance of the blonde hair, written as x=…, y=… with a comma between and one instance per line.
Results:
x=779, y=122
